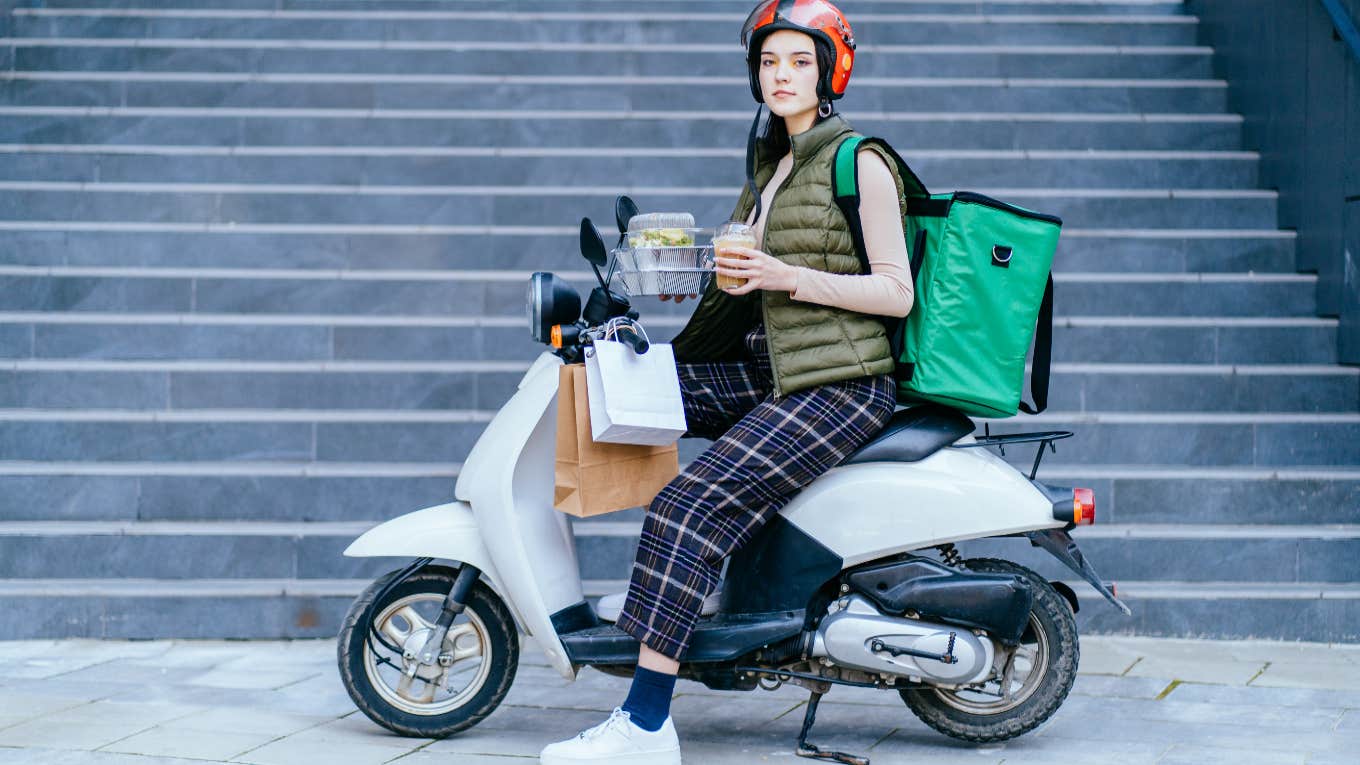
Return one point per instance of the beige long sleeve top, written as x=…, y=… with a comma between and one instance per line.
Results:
x=887, y=289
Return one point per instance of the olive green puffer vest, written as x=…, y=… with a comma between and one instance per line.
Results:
x=809, y=344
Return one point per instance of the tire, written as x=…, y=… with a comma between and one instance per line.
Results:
x=1052, y=635
x=404, y=612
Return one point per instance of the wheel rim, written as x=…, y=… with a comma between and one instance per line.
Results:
x=432, y=690
x=1028, y=663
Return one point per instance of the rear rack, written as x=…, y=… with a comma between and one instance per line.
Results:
x=1043, y=438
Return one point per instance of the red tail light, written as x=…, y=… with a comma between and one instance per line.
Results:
x=1083, y=507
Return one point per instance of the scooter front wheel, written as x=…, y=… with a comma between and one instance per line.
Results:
x=471, y=677
x=1033, y=682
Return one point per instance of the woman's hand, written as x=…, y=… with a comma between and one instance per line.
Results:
x=677, y=298
x=761, y=271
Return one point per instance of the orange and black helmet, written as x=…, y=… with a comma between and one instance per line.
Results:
x=818, y=18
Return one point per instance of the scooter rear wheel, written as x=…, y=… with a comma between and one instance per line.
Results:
x=1047, y=656
x=479, y=656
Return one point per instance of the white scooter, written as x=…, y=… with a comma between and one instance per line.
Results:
x=834, y=590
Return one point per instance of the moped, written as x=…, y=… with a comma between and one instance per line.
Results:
x=855, y=582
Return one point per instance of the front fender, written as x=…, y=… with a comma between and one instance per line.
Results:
x=447, y=531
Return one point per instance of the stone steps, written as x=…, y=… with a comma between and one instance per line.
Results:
x=501, y=293
x=301, y=491
x=278, y=337
x=282, y=608
x=243, y=316
x=463, y=127
x=346, y=246
x=1234, y=439
x=682, y=167
x=291, y=550
x=64, y=388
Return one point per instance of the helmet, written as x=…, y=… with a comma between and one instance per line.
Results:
x=818, y=18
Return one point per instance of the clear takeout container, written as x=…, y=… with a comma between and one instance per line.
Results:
x=666, y=269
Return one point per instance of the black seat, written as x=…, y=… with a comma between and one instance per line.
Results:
x=914, y=434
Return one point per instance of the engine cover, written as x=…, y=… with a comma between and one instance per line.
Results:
x=848, y=637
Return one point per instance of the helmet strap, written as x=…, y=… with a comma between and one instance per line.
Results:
x=751, y=163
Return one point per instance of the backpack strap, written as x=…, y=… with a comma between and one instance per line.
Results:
x=845, y=189
x=1043, y=354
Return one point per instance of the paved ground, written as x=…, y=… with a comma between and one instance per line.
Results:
x=1138, y=701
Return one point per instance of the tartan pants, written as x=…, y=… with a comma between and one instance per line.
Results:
x=765, y=451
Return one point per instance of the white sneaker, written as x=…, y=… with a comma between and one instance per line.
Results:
x=611, y=605
x=616, y=741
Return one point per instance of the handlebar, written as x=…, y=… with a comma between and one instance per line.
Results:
x=628, y=335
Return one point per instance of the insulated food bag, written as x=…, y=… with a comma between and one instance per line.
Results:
x=982, y=270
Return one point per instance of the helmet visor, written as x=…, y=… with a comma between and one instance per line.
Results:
x=759, y=16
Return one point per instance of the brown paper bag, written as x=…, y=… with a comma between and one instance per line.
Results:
x=595, y=478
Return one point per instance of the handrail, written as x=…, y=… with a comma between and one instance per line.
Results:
x=1344, y=26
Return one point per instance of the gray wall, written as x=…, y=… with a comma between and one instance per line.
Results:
x=1298, y=86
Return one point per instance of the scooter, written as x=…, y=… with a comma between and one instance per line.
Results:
x=842, y=587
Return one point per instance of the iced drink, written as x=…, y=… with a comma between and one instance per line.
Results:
x=732, y=235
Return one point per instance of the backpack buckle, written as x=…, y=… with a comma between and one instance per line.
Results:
x=1001, y=256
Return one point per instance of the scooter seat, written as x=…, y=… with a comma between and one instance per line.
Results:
x=914, y=434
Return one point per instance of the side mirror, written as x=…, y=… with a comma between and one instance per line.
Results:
x=592, y=246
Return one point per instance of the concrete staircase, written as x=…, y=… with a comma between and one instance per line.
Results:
x=262, y=267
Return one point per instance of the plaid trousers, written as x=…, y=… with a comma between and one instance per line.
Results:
x=766, y=450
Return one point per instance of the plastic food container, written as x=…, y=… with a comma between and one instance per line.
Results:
x=679, y=269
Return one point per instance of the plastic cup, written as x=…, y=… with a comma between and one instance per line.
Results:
x=731, y=235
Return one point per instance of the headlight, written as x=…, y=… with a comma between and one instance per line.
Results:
x=551, y=301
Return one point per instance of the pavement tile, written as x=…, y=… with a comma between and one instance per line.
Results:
x=1290, y=674
x=260, y=721
x=169, y=742
x=1292, y=719
x=294, y=751
x=1253, y=695
x=1102, y=657
x=253, y=677
x=33, y=756
x=1191, y=754
x=106, y=712
x=1196, y=670
x=1350, y=720
x=59, y=734
x=359, y=730
x=1118, y=687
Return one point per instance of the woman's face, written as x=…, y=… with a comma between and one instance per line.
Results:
x=788, y=73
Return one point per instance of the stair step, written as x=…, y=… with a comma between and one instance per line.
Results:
x=646, y=24
x=1275, y=440
x=186, y=7
x=343, y=246
x=393, y=391
x=371, y=492
x=1134, y=295
x=110, y=608
x=208, y=89
x=545, y=127
x=280, y=337
x=194, y=550
x=603, y=166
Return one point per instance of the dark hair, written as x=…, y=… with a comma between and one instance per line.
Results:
x=774, y=142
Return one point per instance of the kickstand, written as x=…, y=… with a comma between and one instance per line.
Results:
x=810, y=750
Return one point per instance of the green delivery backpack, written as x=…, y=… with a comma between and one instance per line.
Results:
x=982, y=273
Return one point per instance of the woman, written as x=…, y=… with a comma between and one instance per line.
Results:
x=790, y=373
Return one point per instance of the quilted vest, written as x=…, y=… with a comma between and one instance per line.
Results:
x=809, y=344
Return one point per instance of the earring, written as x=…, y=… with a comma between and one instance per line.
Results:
x=824, y=109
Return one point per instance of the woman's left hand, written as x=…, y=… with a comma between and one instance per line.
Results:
x=761, y=271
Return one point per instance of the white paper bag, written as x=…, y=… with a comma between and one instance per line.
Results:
x=634, y=399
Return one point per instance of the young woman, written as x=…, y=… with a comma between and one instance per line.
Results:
x=790, y=373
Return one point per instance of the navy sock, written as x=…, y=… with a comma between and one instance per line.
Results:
x=649, y=700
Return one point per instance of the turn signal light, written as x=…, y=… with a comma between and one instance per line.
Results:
x=555, y=336
x=1083, y=507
